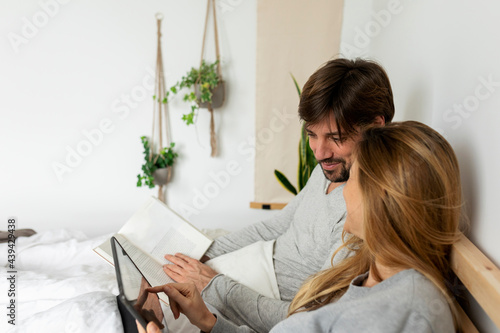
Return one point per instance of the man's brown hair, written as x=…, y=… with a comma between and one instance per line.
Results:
x=353, y=92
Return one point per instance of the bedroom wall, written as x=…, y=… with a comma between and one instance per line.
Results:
x=442, y=58
x=77, y=80
x=308, y=41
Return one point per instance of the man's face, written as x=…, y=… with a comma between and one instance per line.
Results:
x=333, y=155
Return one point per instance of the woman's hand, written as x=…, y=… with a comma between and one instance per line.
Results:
x=185, y=298
x=152, y=328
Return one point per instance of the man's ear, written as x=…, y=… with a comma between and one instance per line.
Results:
x=379, y=120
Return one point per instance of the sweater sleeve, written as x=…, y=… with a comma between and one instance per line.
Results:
x=263, y=231
x=243, y=306
x=223, y=325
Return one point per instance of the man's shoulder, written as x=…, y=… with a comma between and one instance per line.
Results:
x=317, y=177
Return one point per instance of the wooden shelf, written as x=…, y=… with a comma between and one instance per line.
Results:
x=265, y=205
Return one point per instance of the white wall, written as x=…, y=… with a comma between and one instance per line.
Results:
x=440, y=56
x=76, y=69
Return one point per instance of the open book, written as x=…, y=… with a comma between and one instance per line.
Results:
x=153, y=231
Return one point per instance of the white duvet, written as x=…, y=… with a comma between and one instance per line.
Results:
x=62, y=285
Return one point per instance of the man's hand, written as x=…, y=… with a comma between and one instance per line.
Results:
x=188, y=270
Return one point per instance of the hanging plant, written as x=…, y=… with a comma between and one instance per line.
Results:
x=206, y=89
x=156, y=168
x=159, y=154
x=307, y=161
x=206, y=84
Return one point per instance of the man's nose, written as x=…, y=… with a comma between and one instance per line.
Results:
x=322, y=151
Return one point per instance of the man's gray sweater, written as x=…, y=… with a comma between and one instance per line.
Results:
x=307, y=233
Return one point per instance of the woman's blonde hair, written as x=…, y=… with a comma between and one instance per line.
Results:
x=410, y=185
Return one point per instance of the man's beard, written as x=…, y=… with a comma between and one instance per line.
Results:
x=338, y=175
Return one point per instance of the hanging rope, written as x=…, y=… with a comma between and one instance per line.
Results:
x=216, y=36
x=213, y=139
x=160, y=110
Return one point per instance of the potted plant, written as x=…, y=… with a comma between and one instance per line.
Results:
x=307, y=161
x=156, y=169
x=206, y=89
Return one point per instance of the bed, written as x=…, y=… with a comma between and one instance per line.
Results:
x=61, y=285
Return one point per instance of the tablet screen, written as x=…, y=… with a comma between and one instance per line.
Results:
x=132, y=286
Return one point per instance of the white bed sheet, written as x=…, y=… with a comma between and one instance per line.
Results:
x=62, y=285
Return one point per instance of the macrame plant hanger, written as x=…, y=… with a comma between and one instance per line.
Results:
x=213, y=139
x=161, y=121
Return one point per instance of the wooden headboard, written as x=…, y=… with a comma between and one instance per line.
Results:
x=481, y=278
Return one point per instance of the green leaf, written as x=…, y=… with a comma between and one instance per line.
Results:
x=299, y=91
x=188, y=118
x=285, y=182
x=301, y=182
x=303, y=144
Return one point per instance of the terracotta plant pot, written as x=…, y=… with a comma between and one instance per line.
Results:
x=162, y=176
x=218, y=96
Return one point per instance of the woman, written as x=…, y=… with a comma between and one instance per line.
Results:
x=403, y=202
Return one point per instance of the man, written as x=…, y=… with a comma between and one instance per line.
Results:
x=337, y=101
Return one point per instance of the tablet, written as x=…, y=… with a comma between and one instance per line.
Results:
x=134, y=302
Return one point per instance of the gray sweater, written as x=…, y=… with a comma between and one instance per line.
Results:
x=307, y=232
x=406, y=302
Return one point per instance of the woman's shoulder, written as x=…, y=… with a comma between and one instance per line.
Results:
x=412, y=294
x=406, y=302
x=429, y=302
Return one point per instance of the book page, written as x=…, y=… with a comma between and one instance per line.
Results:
x=157, y=231
x=104, y=250
x=173, y=240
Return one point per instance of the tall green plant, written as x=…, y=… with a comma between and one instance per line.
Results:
x=307, y=161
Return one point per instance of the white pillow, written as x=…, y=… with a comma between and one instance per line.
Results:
x=251, y=266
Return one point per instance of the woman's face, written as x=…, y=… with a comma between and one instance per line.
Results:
x=354, y=204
